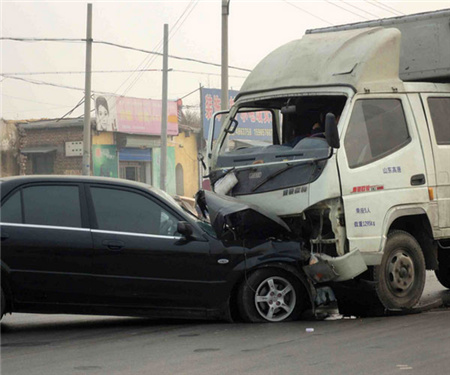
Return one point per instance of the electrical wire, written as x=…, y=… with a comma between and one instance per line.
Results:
x=307, y=12
x=148, y=61
x=116, y=71
x=347, y=10
x=160, y=46
x=192, y=92
x=361, y=10
x=43, y=39
x=387, y=7
x=36, y=82
x=177, y=57
x=144, y=50
x=33, y=101
x=73, y=109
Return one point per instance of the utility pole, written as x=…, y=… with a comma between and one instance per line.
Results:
x=163, y=166
x=87, y=97
x=224, y=92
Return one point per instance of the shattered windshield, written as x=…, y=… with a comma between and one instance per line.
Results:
x=279, y=129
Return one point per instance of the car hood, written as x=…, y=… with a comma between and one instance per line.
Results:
x=234, y=219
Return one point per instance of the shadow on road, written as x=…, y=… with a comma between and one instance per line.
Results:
x=73, y=323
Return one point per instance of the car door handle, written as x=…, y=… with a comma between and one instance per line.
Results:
x=113, y=245
x=418, y=179
x=4, y=236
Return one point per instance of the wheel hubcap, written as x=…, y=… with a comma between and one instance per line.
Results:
x=275, y=299
x=400, y=273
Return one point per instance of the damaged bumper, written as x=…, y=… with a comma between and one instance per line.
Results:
x=342, y=268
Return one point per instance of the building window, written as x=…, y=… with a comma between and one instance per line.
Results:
x=43, y=163
x=179, y=179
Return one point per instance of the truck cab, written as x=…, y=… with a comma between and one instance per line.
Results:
x=354, y=159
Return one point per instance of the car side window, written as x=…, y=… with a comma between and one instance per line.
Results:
x=376, y=129
x=55, y=205
x=440, y=116
x=11, y=211
x=127, y=211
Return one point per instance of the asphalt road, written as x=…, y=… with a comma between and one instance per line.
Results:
x=67, y=344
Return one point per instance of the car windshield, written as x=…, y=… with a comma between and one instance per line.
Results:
x=279, y=129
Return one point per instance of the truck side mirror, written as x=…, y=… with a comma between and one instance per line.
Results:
x=331, y=131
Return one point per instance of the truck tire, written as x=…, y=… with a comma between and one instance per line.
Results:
x=400, y=278
x=443, y=273
x=271, y=295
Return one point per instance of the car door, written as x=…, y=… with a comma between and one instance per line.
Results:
x=140, y=259
x=381, y=166
x=46, y=243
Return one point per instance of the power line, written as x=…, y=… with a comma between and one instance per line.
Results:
x=349, y=11
x=75, y=72
x=43, y=39
x=159, y=48
x=361, y=10
x=387, y=7
x=185, y=96
x=305, y=11
x=73, y=109
x=171, y=56
x=36, y=82
x=34, y=101
x=138, y=49
x=373, y=3
x=114, y=71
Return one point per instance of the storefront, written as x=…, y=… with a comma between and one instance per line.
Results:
x=135, y=164
x=135, y=156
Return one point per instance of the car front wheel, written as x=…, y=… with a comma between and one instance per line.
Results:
x=271, y=295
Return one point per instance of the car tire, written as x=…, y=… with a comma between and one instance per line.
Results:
x=400, y=278
x=443, y=273
x=271, y=295
x=3, y=304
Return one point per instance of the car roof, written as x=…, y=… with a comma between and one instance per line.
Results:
x=9, y=183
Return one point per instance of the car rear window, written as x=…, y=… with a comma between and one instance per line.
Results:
x=11, y=211
x=55, y=205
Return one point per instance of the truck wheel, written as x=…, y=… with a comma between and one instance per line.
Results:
x=271, y=295
x=3, y=304
x=443, y=273
x=400, y=278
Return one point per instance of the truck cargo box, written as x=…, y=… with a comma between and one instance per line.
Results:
x=425, y=43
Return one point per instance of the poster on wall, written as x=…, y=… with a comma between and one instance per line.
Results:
x=252, y=125
x=105, y=160
x=105, y=113
x=134, y=115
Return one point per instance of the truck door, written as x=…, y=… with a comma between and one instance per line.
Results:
x=381, y=166
x=437, y=110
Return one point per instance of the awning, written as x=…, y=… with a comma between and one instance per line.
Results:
x=135, y=154
x=38, y=150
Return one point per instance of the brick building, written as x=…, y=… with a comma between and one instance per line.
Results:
x=55, y=147
x=51, y=147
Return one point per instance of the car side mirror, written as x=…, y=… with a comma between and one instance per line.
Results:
x=185, y=229
x=331, y=131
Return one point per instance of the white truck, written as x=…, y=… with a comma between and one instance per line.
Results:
x=357, y=158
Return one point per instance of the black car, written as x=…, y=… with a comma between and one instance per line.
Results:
x=108, y=246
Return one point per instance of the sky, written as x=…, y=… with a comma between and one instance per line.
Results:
x=255, y=29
